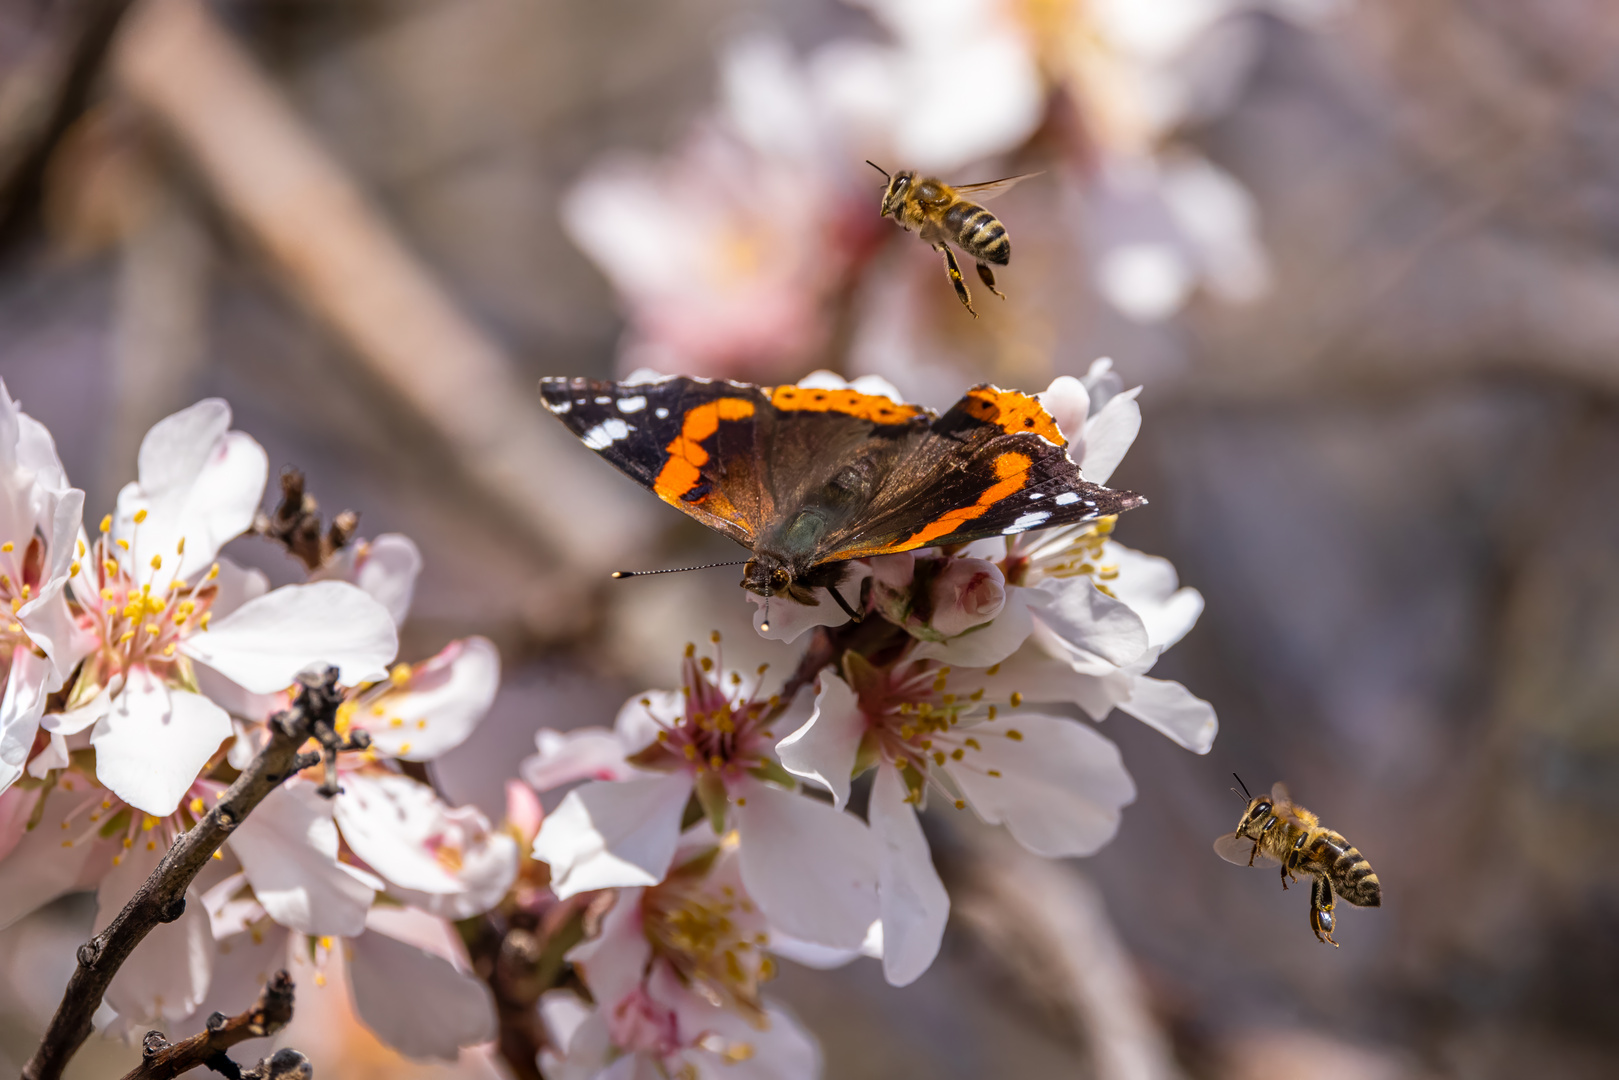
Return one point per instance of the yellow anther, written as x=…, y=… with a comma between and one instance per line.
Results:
x=107, y=594
x=404, y=748
x=957, y=754
x=220, y=855
x=1017, y=699
x=16, y=602
x=15, y=628
x=706, y=663
x=992, y=712
x=195, y=806
x=73, y=569
x=168, y=650
x=716, y=762
x=153, y=630
x=690, y=751
x=69, y=843
x=714, y=636
x=938, y=757
x=421, y=724
x=741, y=801
x=157, y=562
x=155, y=605
x=82, y=549
x=973, y=743
x=148, y=823
x=399, y=674
x=106, y=524
x=125, y=636
x=737, y=1053
x=129, y=842
x=762, y=669
x=398, y=721
x=8, y=547
x=140, y=516
x=110, y=566
x=151, y=845
x=203, y=622
x=993, y=670
x=345, y=717
x=320, y=978
x=961, y=804
x=213, y=572
x=180, y=548
x=1014, y=734
x=994, y=772
x=123, y=544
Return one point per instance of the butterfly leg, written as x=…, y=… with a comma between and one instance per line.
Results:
x=854, y=615
x=956, y=279
x=987, y=276
x=1321, y=904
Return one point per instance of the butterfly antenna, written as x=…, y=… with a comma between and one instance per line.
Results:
x=675, y=570
x=878, y=167
x=764, y=624
x=1245, y=794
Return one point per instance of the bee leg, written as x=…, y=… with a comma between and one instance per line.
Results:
x=1284, y=877
x=954, y=270
x=1254, y=853
x=987, y=276
x=1321, y=904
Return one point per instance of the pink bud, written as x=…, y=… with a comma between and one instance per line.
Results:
x=894, y=571
x=966, y=592
x=639, y=1024
x=523, y=810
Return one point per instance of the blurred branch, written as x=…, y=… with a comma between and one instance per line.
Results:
x=1050, y=921
x=161, y=899
x=41, y=96
x=162, y=1060
x=295, y=524
x=342, y=259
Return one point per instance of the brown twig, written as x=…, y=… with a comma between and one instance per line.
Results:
x=161, y=899
x=162, y=1060
x=295, y=524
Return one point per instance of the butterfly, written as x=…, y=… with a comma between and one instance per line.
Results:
x=808, y=477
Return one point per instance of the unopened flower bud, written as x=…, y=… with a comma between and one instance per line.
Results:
x=966, y=592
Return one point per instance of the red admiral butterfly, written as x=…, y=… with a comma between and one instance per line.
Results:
x=808, y=478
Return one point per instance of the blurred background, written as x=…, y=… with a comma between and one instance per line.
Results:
x=1363, y=254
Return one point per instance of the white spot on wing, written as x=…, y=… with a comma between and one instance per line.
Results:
x=1067, y=497
x=604, y=400
x=606, y=434
x=632, y=404
x=562, y=407
x=1027, y=521
x=661, y=414
x=1037, y=494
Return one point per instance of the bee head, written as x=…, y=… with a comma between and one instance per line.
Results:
x=1255, y=816
x=898, y=185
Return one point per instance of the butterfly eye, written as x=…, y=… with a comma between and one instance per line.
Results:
x=779, y=578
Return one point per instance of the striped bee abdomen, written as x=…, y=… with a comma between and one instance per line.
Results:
x=1351, y=875
x=978, y=232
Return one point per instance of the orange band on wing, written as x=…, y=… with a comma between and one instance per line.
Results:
x=1012, y=471
x=1012, y=412
x=873, y=407
x=686, y=454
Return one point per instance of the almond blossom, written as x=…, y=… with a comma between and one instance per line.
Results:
x=811, y=867
x=675, y=974
x=39, y=521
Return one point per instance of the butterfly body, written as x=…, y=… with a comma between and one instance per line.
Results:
x=808, y=478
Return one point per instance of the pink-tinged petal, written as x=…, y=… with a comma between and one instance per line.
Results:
x=154, y=741
x=992, y=642
x=16, y=804
x=266, y=642
x=824, y=749
x=76, y=720
x=523, y=811
x=416, y=1002
x=50, y=625
x=915, y=906
x=1108, y=436
x=1171, y=709
x=288, y=849
x=1061, y=785
x=387, y=568
x=198, y=480
x=243, y=963
x=812, y=869
x=1150, y=586
x=1069, y=403
x=20, y=709
x=641, y=718
x=167, y=975
x=488, y=869
x=231, y=906
x=39, y=868
x=613, y=834
x=53, y=755
x=782, y=1051
x=613, y=962
x=386, y=818
x=36, y=452
x=568, y=756
x=1092, y=621
x=446, y=698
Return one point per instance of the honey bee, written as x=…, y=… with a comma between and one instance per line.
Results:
x=942, y=214
x=1274, y=829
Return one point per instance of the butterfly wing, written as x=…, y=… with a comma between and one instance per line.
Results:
x=991, y=188
x=693, y=442
x=996, y=464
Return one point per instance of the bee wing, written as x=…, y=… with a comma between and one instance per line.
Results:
x=1279, y=795
x=1239, y=849
x=992, y=188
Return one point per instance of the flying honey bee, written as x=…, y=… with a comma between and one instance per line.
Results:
x=1274, y=829
x=943, y=214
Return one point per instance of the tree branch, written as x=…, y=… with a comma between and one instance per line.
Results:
x=162, y=1060
x=162, y=898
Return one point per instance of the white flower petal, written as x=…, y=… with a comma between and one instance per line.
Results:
x=613, y=834
x=790, y=620
x=20, y=710
x=243, y=964
x=782, y=1051
x=416, y=1002
x=167, y=975
x=1092, y=621
x=50, y=624
x=387, y=568
x=614, y=961
x=812, y=869
x=445, y=700
x=266, y=642
x=76, y=720
x=288, y=849
x=582, y=754
x=1149, y=584
x=1170, y=708
x=915, y=906
x=992, y=642
x=198, y=480
x=237, y=585
x=37, y=868
x=1108, y=436
x=1061, y=785
x=154, y=741
x=1069, y=403
x=386, y=818
x=824, y=749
